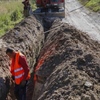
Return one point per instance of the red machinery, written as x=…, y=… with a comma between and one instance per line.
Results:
x=48, y=3
x=51, y=7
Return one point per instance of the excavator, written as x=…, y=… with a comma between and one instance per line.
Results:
x=48, y=8
x=51, y=8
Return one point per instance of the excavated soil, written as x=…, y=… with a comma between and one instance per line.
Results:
x=26, y=37
x=70, y=63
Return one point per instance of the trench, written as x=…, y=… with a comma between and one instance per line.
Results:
x=70, y=58
x=34, y=93
x=63, y=65
x=65, y=58
x=27, y=37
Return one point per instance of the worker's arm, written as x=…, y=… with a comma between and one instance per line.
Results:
x=23, y=63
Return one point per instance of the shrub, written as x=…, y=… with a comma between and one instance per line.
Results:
x=16, y=15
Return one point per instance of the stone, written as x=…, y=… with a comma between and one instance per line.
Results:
x=88, y=84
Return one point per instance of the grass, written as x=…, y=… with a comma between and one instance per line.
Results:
x=94, y=5
x=11, y=13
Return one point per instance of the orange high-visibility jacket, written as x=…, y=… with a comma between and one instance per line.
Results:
x=16, y=70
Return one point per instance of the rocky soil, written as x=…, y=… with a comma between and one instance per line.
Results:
x=70, y=66
x=67, y=62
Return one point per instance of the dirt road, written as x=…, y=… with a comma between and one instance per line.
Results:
x=82, y=19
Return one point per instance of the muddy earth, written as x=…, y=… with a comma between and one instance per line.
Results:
x=26, y=37
x=70, y=66
x=67, y=59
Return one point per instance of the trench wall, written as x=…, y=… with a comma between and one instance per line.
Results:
x=68, y=65
x=26, y=37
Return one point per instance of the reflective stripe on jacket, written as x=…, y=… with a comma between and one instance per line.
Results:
x=16, y=70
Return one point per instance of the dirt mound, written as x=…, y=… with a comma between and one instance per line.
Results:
x=70, y=63
x=26, y=37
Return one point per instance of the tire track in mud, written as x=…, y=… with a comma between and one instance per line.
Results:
x=82, y=19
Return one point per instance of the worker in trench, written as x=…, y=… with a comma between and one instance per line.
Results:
x=20, y=73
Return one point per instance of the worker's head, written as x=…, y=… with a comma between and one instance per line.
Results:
x=10, y=52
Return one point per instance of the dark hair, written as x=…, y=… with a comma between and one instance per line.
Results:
x=9, y=50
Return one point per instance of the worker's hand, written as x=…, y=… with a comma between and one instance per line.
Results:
x=23, y=83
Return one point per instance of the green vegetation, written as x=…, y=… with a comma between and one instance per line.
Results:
x=33, y=4
x=11, y=13
x=92, y=4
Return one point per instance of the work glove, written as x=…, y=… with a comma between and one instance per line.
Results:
x=23, y=83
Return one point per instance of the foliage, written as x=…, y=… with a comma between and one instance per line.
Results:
x=15, y=15
x=11, y=13
x=92, y=4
